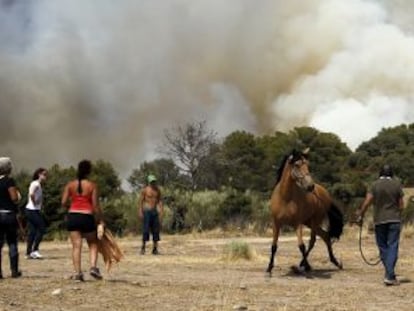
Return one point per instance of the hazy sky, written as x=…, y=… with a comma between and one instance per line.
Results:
x=103, y=78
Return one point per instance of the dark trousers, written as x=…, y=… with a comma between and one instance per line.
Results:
x=37, y=228
x=151, y=225
x=388, y=236
x=8, y=232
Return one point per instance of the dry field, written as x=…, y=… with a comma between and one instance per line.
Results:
x=192, y=274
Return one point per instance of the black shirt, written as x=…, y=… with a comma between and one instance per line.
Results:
x=6, y=202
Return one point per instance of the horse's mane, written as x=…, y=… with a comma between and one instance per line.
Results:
x=279, y=171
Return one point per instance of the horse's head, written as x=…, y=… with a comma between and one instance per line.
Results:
x=298, y=160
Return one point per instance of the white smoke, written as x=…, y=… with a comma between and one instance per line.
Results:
x=357, y=121
x=366, y=84
x=103, y=78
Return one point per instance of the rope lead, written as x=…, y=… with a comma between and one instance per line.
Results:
x=370, y=263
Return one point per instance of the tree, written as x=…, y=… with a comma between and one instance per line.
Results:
x=23, y=179
x=212, y=170
x=167, y=173
x=188, y=145
x=245, y=162
x=107, y=179
x=53, y=188
x=394, y=146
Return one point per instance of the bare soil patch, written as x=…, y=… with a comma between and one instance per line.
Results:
x=192, y=274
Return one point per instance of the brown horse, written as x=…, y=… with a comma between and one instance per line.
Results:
x=296, y=201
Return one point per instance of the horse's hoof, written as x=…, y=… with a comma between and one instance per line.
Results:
x=307, y=267
x=339, y=264
x=268, y=273
x=300, y=270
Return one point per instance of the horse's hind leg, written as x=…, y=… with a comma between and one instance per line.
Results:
x=325, y=237
x=276, y=230
x=304, y=262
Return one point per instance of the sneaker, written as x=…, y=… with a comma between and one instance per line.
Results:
x=95, y=273
x=155, y=251
x=36, y=255
x=391, y=282
x=142, y=251
x=16, y=274
x=78, y=277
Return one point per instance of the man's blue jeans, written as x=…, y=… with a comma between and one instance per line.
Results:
x=388, y=236
x=151, y=224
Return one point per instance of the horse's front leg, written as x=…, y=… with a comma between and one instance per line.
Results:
x=304, y=264
x=312, y=241
x=276, y=230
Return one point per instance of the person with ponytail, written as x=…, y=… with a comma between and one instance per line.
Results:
x=37, y=226
x=84, y=219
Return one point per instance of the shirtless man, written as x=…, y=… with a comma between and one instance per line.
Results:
x=150, y=211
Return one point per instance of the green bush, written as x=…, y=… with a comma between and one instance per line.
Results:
x=236, y=209
x=176, y=203
x=202, y=212
x=114, y=215
x=129, y=206
x=260, y=214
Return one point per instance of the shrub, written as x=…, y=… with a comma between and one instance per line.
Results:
x=127, y=204
x=235, y=209
x=114, y=216
x=260, y=214
x=408, y=212
x=202, y=212
x=238, y=250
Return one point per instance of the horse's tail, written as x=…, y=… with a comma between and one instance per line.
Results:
x=336, y=221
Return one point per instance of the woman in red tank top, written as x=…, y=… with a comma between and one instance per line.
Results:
x=81, y=203
x=83, y=215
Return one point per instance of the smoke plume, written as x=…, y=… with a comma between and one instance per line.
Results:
x=102, y=78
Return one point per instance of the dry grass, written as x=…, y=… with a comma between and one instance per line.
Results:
x=236, y=250
x=407, y=232
x=192, y=275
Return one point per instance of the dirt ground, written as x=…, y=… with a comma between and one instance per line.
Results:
x=192, y=274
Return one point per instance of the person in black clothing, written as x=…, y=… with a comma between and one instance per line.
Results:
x=9, y=196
